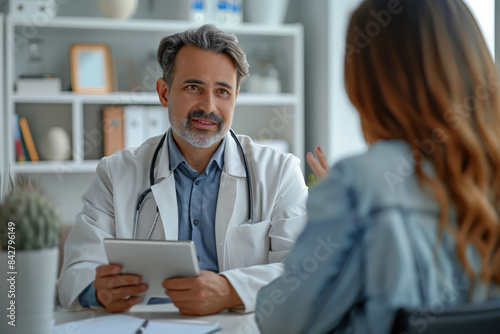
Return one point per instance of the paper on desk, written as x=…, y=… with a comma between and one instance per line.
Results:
x=124, y=324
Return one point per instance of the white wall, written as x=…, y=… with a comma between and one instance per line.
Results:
x=313, y=15
x=330, y=120
x=484, y=11
x=345, y=133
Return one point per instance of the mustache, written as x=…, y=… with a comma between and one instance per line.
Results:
x=201, y=114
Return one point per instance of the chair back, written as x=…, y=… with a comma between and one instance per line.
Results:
x=466, y=319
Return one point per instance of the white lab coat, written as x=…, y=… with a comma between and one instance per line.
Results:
x=249, y=255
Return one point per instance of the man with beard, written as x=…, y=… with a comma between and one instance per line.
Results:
x=200, y=187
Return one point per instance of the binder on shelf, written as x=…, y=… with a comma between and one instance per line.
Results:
x=134, y=119
x=157, y=122
x=143, y=122
x=113, y=128
x=18, y=142
x=28, y=139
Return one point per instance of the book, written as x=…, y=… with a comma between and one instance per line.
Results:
x=25, y=149
x=38, y=86
x=18, y=142
x=28, y=139
x=113, y=129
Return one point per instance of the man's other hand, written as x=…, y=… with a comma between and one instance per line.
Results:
x=208, y=293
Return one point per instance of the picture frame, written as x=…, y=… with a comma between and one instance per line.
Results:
x=91, y=68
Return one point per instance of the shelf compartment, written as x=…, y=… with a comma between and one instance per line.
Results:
x=41, y=118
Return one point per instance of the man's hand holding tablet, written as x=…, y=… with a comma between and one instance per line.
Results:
x=137, y=269
x=115, y=291
x=208, y=293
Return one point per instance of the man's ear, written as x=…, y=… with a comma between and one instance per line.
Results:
x=162, y=89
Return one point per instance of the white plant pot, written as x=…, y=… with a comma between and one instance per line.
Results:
x=266, y=11
x=117, y=9
x=33, y=293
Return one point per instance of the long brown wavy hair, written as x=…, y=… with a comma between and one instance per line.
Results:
x=420, y=71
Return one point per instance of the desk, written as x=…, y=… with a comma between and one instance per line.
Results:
x=231, y=322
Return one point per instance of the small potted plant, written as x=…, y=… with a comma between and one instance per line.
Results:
x=29, y=238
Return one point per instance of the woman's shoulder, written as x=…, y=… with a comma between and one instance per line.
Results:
x=383, y=176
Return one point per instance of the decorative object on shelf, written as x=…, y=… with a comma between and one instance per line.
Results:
x=38, y=85
x=35, y=56
x=29, y=237
x=39, y=9
x=117, y=9
x=265, y=78
x=91, y=68
x=266, y=11
x=55, y=145
x=216, y=11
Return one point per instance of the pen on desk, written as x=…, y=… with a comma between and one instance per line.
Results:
x=141, y=329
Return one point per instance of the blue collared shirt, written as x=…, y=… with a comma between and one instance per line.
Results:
x=197, y=195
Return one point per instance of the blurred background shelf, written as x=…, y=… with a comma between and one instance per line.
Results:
x=132, y=42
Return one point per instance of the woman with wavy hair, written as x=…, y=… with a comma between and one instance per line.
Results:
x=414, y=221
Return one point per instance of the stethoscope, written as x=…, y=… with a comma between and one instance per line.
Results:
x=143, y=200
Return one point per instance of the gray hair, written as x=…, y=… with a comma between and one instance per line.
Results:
x=206, y=37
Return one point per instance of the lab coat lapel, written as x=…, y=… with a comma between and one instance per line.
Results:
x=232, y=199
x=166, y=199
x=165, y=195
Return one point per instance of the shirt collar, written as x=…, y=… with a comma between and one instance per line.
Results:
x=176, y=157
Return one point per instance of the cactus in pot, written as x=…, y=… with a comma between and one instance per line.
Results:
x=29, y=236
x=32, y=215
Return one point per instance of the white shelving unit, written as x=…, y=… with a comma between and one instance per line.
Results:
x=257, y=115
x=261, y=116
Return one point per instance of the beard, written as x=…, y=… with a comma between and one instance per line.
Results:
x=198, y=137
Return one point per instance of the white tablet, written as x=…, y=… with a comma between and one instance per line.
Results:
x=153, y=260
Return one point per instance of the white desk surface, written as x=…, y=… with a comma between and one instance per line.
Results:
x=231, y=322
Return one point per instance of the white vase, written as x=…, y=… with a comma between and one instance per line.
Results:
x=30, y=299
x=55, y=145
x=266, y=11
x=117, y=9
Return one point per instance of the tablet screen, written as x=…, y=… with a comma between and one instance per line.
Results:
x=153, y=260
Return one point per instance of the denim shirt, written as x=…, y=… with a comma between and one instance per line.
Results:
x=197, y=195
x=368, y=249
